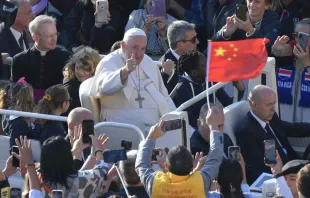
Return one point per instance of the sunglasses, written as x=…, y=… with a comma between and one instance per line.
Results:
x=193, y=40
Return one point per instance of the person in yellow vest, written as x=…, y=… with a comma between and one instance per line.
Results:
x=179, y=179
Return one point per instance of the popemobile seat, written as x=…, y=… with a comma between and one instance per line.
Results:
x=89, y=101
x=234, y=115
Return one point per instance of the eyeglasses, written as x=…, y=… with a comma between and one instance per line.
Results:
x=51, y=36
x=70, y=99
x=295, y=34
x=193, y=40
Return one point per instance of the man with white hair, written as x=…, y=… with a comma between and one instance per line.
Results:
x=131, y=84
x=42, y=64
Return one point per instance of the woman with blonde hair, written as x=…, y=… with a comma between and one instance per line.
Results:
x=80, y=67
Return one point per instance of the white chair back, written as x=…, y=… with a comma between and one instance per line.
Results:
x=269, y=188
x=271, y=80
x=5, y=150
x=36, y=150
x=234, y=115
x=88, y=101
x=118, y=132
x=175, y=137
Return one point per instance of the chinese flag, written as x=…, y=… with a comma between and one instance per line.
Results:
x=236, y=60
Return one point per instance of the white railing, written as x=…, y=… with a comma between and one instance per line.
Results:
x=201, y=96
x=33, y=115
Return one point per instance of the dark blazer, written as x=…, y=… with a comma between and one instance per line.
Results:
x=40, y=72
x=198, y=144
x=250, y=138
x=8, y=44
x=175, y=78
x=73, y=87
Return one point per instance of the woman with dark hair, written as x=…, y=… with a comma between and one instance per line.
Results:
x=81, y=29
x=232, y=180
x=290, y=13
x=192, y=65
x=58, y=173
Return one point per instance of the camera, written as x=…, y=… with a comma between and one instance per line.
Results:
x=126, y=145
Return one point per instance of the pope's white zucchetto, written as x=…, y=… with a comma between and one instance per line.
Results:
x=133, y=32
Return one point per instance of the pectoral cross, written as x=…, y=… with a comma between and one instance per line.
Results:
x=139, y=99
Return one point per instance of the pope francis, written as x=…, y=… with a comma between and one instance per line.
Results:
x=131, y=84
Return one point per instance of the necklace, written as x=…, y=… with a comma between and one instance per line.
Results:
x=139, y=98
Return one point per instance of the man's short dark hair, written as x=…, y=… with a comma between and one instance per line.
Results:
x=303, y=181
x=127, y=168
x=180, y=161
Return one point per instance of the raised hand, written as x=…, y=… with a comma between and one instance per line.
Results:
x=131, y=63
x=244, y=25
x=156, y=131
x=230, y=26
x=150, y=20
x=78, y=146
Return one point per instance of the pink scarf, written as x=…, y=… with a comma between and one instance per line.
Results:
x=37, y=8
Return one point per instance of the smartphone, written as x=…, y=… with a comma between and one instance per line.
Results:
x=157, y=8
x=171, y=125
x=126, y=145
x=114, y=156
x=241, y=12
x=102, y=8
x=6, y=192
x=15, y=161
x=270, y=152
x=154, y=154
x=87, y=129
x=302, y=40
x=234, y=152
x=57, y=194
x=16, y=193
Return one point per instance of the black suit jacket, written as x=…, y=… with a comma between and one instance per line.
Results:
x=8, y=44
x=175, y=78
x=40, y=72
x=250, y=138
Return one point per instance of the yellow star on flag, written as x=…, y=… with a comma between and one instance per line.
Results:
x=220, y=51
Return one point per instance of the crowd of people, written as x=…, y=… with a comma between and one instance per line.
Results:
x=50, y=48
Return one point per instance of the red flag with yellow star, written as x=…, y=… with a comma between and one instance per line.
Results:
x=236, y=60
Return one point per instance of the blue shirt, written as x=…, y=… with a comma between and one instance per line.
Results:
x=196, y=14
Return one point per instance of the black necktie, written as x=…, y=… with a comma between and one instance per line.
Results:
x=281, y=152
x=21, y=43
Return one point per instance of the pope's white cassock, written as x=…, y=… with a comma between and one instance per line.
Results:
x=121, y=103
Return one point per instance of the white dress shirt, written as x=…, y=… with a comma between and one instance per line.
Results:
x=177, y=56
x=17, y=36
x=282, y=188
x=263, y=124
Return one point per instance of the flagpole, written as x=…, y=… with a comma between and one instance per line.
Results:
x=207, y=76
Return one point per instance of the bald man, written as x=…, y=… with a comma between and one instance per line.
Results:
x=200, y=140
x=262, y=123
x=75, y=118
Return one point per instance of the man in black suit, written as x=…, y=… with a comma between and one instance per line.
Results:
x=42, y=64
x=182, y=38
x=262, y=123
x=200, y=140
x=13, y=38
